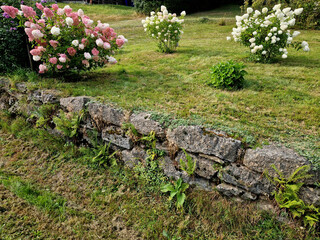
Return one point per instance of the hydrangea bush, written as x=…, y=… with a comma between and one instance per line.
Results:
x=309, y=18
x=166, y=28
x=267, y=33
x=65, y=40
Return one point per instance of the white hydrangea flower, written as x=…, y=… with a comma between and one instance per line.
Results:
x=87, y=55
x=286, y=10
x=295, y=34
x=69, y=21
x=80, y=13
x=36, y=58
x=55, y=31
x=112, y=60
x=292, y=22
x=298, y=11
x=249, y=10
x=75, y=43
x=99, y=42
x=238, y=18
x=306, y=49
x=37, y=34
x=277, y=7
x=264, y=10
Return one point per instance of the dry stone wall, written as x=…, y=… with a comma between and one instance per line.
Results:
x=222, y=163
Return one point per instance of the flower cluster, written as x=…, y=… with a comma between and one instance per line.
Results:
x=65, y=40
x=166, y=28
x=267, y=32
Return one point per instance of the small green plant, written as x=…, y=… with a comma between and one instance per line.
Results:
x=229, y=75
x=177, y=189
x=170, y=237
x=44, y=115
x=222, y=22
x=68, y=124
x=131, y=131
x=190, y=166
x=150, y=174
x=150, y=142
x=287, y=197
x=103, y=157
x=204, y=20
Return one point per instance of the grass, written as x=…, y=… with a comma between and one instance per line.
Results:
x=279, y=102
x=48, y=194
x=42, y=199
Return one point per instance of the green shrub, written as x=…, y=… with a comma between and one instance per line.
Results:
x=229, y=75
x=177, y=6
x=13, y=45
x=145, y=7
x=310, y=17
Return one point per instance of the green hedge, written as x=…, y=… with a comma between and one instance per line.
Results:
x=13, y=45
x=310, y=17
x=177, y=6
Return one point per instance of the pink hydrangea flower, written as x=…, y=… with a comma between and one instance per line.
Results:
x=53, y=60
x=59, y=66
x=84, y=40
x=85, y=62
x=39, y=6
x=41, y=21
x=35, y=52
x=11, y=11
x=106, y=45
x=55, y=7
x=60, y=11
x=28, y=11
x=28, y=31
x=95, y=52
x=48, y=12
x=54, y=43
x=62, y=59
x=120, y=42
x=68, y=11
x=42, y=68
x=35, y=26
x=71, y=51
x=37, y=34
x=27, y=24
x=62, y=55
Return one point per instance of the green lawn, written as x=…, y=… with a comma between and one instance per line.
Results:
x=280, y=102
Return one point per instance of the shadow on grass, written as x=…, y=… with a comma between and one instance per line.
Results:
x=300, y=61
x=191, y=52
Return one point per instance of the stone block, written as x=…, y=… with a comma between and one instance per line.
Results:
x=197, y=140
